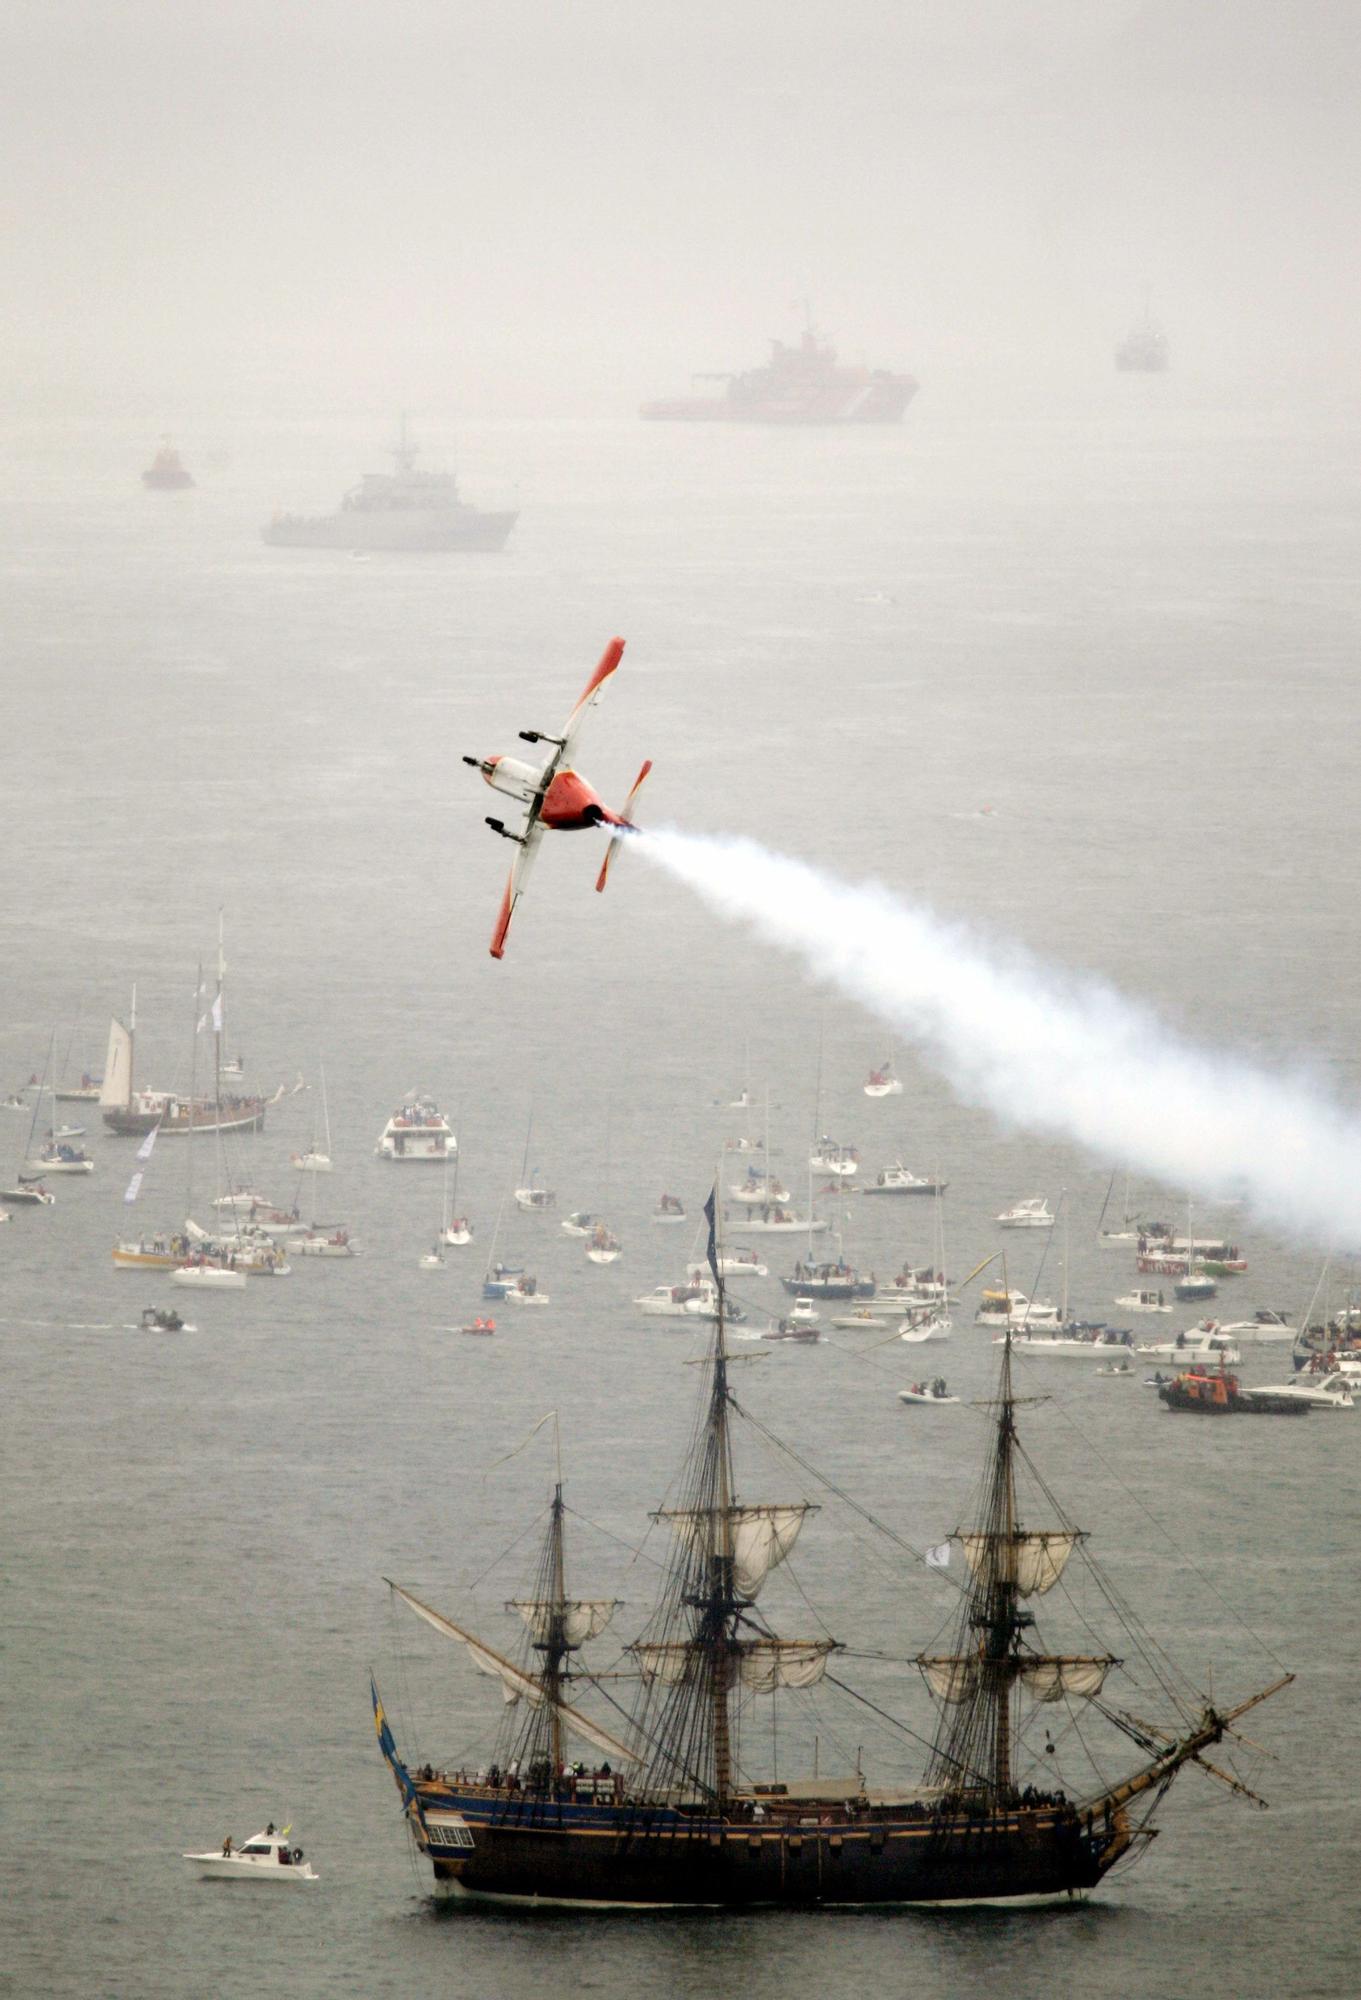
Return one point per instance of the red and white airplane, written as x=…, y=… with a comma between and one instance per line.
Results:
x=555, y=796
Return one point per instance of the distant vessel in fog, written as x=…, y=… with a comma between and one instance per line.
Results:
x=798, y=385
x=405, y=509
x=167, y=470
x=1143, y=350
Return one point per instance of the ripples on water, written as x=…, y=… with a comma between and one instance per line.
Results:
x=1088, y=678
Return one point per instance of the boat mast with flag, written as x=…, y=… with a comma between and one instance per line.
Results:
x=675, y=1814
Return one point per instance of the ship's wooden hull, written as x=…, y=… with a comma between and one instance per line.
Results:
x=633, y=1857
x=130, y=1124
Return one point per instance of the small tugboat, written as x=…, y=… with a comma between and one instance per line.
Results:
x=167, y=472
x=265, y=1857
x=1214, y=1392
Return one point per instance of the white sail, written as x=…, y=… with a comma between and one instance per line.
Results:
x=763, y=1665
x=761, y=1537
x=768, y=1664
x=955, y=1677
x=583, y=1617
x=514, y=1678
x=115, y=1092
x=1052, y=1680
x=948, y=1678
x=1036, y=1560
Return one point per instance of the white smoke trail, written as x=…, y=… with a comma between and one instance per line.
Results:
x=1045, y=1049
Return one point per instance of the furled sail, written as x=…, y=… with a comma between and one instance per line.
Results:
x=955, y=1677
x=583, y=1618
x=763, y=1665
x=761, y=1537
x=1033, y=1561
x=1051, y=1680
x=115, y=1092
x=513, y=1679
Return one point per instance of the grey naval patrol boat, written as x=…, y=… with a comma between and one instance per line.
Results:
x=401, y=510
x=1012, y=1807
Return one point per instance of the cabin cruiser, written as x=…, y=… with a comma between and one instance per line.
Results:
x=804, y=1313
x=1265, y=1325
x=1320, y=1392
x=535, y=1200
x=1013, y=1309
x=524, y=1292
x=416, y=1134
x=1143, y=1302
x=934, y=1391
x=1071, y=1341
x=895, y=1179
x=829, y=1157
x=666, y=1301
x=1032, y=1213
x=1200, y=1344
x=579, y=1223
x=829, y=1281
x=265, y=1857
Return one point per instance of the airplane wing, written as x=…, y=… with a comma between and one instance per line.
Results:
x=515, y=884
x=591, y=694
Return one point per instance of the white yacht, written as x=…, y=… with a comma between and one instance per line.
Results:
x=417, y=1134
x=927, y=1392
x=1065, y=1344
x=59, y=1157
x=535, y=1200
x=1011, y=1308
x=604, y=1246
x=525, y=1292
x=895, y=1179
x=1320, y=1392
x=830, y=1157
x=579, y=1223
x=666, y=1301
x=1145, y=1302
x=205, y=1275
x=1200, y=1344
x=323, y=1243
x=265, y=1857
x=1264, y=1326
x=1032, y=1213
x=803, y=1312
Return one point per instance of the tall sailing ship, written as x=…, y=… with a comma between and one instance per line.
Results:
x=673, y=1813
x=133, y=1112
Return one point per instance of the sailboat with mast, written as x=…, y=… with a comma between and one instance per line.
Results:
x=675, y=1815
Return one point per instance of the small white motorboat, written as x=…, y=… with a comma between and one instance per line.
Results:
x=525, y=1292
x=1144, y=1302
x=1320, y=1392
x=266, y=1857
x=244, y=1201
x=883, y=1083
x=69, y=1132
x=1202, y=1343
x=579, y=1223
x=862, y=1320
x=895, y=1179
x=1265, y=1325
x=1032, y=1213
x=433, y=1260
x=535, y=1200
x=927, y=1392
x=312, y=1163
x=804, y=1313
x=604, y=1246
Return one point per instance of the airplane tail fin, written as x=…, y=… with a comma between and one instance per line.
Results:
x=626, y=825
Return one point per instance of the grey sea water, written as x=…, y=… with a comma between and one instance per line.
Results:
x=1084, y=674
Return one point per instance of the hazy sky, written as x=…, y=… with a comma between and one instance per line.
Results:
x=561, y=206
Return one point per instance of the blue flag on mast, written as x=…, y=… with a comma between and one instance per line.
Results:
x=711, y=1210
x=389, y=1747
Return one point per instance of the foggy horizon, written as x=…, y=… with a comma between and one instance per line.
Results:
x=489, y=214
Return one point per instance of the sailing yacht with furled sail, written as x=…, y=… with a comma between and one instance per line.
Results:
x=675, y=1815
